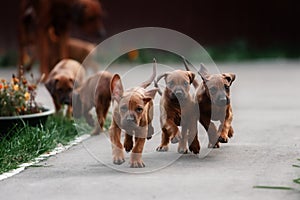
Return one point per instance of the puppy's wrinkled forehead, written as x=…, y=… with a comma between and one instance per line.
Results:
x=133, y=98
x=177, y=77
x=64, y=82
x=217, y=80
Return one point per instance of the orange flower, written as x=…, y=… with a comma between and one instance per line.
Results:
x=27, y=96
x=24, y=81
x=16, y=87
x=1, y=86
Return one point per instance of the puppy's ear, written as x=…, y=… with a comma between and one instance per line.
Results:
x=116, y=88
x=191, y=76
x=149, y=95
x=203, y=72
x=230, y=77
x=50, y=85
x=164, y=75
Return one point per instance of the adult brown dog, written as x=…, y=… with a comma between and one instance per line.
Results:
x=67, y=75
x=94, y=92
x=133, y=112
x=177, y=109
x=45, y=27
x=213, y=97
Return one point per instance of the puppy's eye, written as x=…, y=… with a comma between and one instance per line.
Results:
x=123, y=108
x=139, y=109
x=170, y=84
x=213, y=90
x=185, y=83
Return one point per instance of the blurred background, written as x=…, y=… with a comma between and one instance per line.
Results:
x=231, y=30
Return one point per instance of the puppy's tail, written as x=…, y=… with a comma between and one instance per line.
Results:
x=146, y=83
x=186, y=64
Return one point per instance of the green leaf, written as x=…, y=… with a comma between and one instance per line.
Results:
x=272, y=187
x=297, y=180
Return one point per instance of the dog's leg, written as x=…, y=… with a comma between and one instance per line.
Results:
x=194, y=145
x=169, y=130
x=225, y=127
x=136, y=155
x=193, y=142
x=230, y=132
x=182, y=144
x=117, y=147
x=128, y=142
x=57, y=106
x=211, y=131
x=69, y=111
x=165, y=139
x=100, y=119
x=150, y=131
x=89, y=118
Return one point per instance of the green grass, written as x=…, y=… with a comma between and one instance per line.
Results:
x=297, y=181
x=28, y=142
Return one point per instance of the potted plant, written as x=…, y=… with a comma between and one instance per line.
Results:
x=18, y=105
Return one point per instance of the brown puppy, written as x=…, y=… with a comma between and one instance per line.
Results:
x=94, y=92
x=178, y=109
x=67, y=75
x=133, y=112
x=79, y=49
x=213, y=97
x=45, y=27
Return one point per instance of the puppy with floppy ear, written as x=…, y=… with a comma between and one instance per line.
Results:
x=67, y=75
x=213, y=99
x=94, y=92
x=178, y=109
x=132, y=112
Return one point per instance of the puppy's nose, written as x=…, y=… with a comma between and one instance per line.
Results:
x=223, y=100
x=130, y=118
x=66, y=101
x=179, y=94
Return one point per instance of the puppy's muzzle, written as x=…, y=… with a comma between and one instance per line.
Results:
x=179, y=94
x=223, y=101
x=65, y=100
x=129, y=121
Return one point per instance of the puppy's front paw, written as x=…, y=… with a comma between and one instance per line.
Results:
x=195, y=147
x=223, y=139
x=137, y=164
x=136, y=161
x=175, y=139
x=118, y=161
x=182, y=150
x=118, y=158
x=162, y=148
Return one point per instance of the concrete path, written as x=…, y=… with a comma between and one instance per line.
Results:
x=266, y=105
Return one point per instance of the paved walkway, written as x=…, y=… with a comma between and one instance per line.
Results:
x=266, y=104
